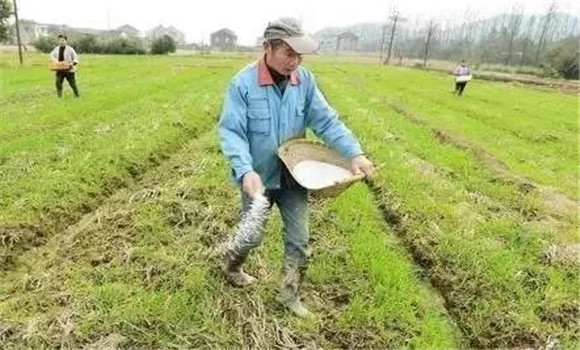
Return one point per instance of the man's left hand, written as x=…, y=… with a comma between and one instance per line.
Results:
x=361, y=165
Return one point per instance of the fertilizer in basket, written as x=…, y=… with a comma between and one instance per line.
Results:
x=316, y=175
x=249, y=229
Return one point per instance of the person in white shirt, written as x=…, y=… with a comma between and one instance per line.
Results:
x=65, y=53
x=462, y=75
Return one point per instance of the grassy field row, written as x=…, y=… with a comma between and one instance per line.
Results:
x=481, y=241
x=143, y=271
x=438, y=152
x=533, y=132
x=61, y=158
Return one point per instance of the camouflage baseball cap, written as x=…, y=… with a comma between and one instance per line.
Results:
x=290, y=30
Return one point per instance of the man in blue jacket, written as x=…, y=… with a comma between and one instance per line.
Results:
x=268, y=103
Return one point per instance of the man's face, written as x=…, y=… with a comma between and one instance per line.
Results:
x=62, y=41
x=283, y=59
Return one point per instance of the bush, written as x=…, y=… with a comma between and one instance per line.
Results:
x=163, y=45
x=529, y=70
x=93, y=44
x=45, y=44
x=5, y=14
x=87, y=44
x=548, y=71
x=564, y=58
x=124, y=46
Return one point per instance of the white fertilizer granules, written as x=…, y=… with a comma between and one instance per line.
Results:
x=249, y=230
x=316, y=175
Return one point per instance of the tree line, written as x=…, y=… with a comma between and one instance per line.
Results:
x=103, y=45
x=548, y=42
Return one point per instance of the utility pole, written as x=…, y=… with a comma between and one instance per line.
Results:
x=514, y=27
x=382, y=48
x=109, y=36
x=430, y=32
x=547, y=21
x=202, y=45
x=17, y=24
x=394, y=20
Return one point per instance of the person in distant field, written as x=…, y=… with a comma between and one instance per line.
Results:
x=268, y=103
x=461, y=71
x=66, y=53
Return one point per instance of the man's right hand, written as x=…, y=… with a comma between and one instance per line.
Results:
x=252, y=184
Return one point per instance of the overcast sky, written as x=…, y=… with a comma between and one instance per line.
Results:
x=248, y=18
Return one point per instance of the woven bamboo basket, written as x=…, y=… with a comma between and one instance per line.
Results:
x=462, y=78
x=59, y=66
x=295, y=151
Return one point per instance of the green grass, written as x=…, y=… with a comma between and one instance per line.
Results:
x=60, y=158
x=144, y=266
x=388, y=296
x=478, y=235
x=535, y=133
x=114, y=207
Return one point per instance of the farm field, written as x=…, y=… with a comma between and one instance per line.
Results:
x=113, y=208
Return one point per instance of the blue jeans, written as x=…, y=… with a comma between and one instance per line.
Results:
x=293, y=206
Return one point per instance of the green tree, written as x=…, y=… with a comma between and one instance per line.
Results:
x=124, y=46
x=564, y=58
x=45, y=44
x=5, y=14
x=87, y=44
x=163, y=45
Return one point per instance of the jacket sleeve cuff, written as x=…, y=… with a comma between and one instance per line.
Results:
x=354, y=153
x=240, y=171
